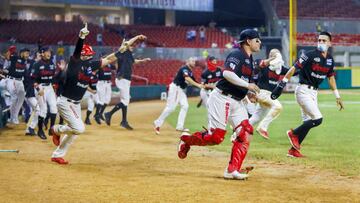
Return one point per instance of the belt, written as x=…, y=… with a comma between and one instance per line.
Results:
x=45, y=84
x=71, y=101
x=108, y=81
x=310, y=87
x=13, y=78
x=229, y=95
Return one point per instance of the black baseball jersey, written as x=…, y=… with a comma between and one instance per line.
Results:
x=93, y=81
x=17, y=67
x=78, y=74
x=182, y=73
x=239, y=62
x=266, y=78
x=211, y=76
x=44, y=71
x=314, y=68
x=125, y=63
x=105, y=72
x=28, y=80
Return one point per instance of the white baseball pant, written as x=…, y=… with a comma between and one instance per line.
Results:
x=204, y=95
x=307, y=99
x=104, y=91
x=35, y=111
x=49, y=98
x=266, y=110
x=176, y=96
x=91, y=100
x=223, y=109
x=71, y=113
x=17, y=95
x=124, y=87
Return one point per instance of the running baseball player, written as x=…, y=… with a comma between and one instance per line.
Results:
x=104, y=91
x=210, y=76
x=44, y=72
x=78, y=76
x=16, y=72
x=314, y=66
x=269, y=73
x=177, y=95
x=123, y=80
x=225, y=105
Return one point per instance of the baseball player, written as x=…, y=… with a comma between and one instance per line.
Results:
x=78, y=76
x=313, y=66
x=225, y=105
x=44, y=72
x=103, y=90
x=123, y=80
x=210, y=76
x=16, y=71
x=30, y=97
x=177, y=95
x=267, y=110
x=91, y=96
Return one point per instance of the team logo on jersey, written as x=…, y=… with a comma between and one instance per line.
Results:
x=218, y=74
x=41, y=67
x=19, y=60
x=329, y=62
x=247, y=61
x=232, y=65
x=303, y=58
x=210, y=76
x=317, y=59
x=51, y=66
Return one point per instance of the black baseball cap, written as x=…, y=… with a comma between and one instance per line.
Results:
x=44, y=48
x=24, y=50
x=248, y=34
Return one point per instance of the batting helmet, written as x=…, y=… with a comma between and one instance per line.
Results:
x=87, y=50
x=248, y=34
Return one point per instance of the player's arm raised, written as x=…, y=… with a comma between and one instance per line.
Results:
x=79, y=44
x=332, y=84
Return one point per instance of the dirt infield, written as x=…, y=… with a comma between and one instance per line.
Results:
x=115, y=165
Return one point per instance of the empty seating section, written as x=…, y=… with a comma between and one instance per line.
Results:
x=341, y=39
x=344, y=9
x=158, y=36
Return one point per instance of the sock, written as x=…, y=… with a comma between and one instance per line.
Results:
x=52, y=119
x=103, y=109
x=116, y=108
x=124, y=114
x=40, y=123
x=88, y=114
x=98, y=109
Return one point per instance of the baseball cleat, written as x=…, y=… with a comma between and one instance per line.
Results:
x=30, y=131
x=294, y=140
x=55, y=136
x=235, y=175
x=107, y=118
x=126, y=125
x=263, y=133
x=157, y=130
x=294, y=153
x=59, y=160
x=97, y=119
x=41, y=134
x=183, y=149
x=87, y=121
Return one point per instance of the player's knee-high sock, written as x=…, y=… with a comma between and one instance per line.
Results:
x=116, y=108
x=52, y=119
x=40, y=123
x=103, y=109
x=304, y=129
x=88, y=113
x=98, y=109
x=124, y=114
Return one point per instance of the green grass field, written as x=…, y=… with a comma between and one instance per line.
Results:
x=334, y=145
